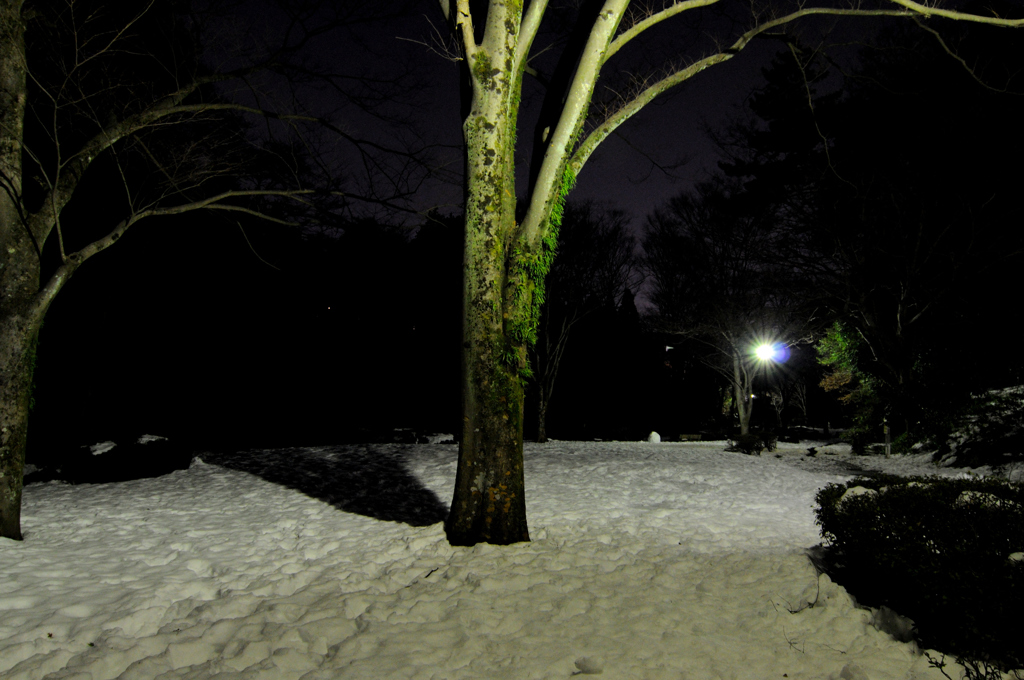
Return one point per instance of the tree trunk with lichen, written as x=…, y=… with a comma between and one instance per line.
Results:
x=19, y=275
x=489, y=504
x=505, y=263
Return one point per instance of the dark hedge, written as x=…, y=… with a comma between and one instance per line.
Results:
x=917, y=549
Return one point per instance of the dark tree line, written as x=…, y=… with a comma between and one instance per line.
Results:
x=720, y=284
x=884, y=205
x=595, y=269
x=267, y=338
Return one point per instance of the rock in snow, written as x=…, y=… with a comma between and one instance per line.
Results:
x=589, y=665
x=855, y=491
x=852, y=671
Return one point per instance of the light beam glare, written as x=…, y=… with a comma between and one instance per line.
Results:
x=778, y=353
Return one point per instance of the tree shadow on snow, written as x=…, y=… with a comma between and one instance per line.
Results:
x=364, y=480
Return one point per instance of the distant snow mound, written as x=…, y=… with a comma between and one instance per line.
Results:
x=654, y=438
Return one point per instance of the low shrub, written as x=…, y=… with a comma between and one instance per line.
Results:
x=753, y=444
x=903, y=444
x=749, y=444
x=859, y=437
x=943, y=552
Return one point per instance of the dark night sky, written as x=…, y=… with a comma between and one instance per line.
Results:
x=669, y=132
x=619, y=174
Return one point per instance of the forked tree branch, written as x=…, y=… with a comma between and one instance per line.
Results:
x=602, y=46
x=565, y=132
x=948, y=50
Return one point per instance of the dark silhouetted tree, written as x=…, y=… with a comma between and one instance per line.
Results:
x=596, y=263
x=719, y=277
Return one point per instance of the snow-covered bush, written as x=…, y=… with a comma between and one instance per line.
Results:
x=989, y=432
x=937, y=551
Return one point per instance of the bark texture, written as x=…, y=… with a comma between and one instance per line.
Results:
x=19, y=275
x=489, y=504
x=16, y=359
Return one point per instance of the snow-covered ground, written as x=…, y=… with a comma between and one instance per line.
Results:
x=648, y=561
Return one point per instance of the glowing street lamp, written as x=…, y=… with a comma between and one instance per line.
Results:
x=776, y=353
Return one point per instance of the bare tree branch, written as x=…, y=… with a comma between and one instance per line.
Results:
x=527, y=33
x=651, y=20
x=632, y=107
x=970, y=71
x=931, y=10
